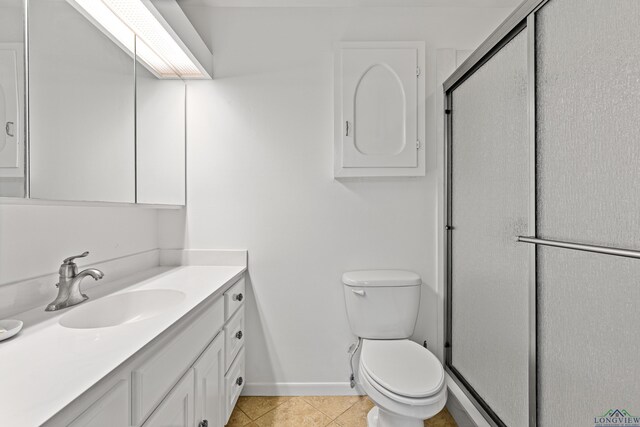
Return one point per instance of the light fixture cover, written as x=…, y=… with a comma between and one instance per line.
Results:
x=138, y=28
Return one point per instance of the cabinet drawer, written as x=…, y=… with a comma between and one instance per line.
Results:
x=154, y=376
x=233, y=299
x=234, y=382
x=233, y=337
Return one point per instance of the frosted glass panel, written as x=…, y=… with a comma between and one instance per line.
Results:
x=588, y=92
x=588, y=63
x=588, y=336
x=490, y=167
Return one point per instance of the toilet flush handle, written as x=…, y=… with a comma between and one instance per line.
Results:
x=358, y=292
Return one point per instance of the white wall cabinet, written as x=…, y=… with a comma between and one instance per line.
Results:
x=379, y=109
x=104, y=124
x=179, y=380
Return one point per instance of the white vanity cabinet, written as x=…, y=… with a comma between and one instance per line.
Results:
x=209, y=384
x=112, y=408
x=183, y=378
x=177, y=410
x=234, y=346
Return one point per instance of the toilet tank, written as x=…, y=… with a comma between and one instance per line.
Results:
x=382, y=304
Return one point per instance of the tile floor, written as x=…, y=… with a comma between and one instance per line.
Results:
x=312, y=411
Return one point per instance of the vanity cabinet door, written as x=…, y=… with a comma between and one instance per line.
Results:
x=110, y=410
x=177, y=409
x=155, y=375
x=209, y=377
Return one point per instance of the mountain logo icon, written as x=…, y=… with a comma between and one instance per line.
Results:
x=616, y=418
x=616, y=413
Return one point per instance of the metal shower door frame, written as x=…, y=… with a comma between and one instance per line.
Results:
x=522, y=19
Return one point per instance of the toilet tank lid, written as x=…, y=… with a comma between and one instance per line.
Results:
x=380, y=278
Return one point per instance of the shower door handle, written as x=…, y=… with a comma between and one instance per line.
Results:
x=8, y=128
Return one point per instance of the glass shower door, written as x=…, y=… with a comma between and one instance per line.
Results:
x=588, y=185
x=489, y=270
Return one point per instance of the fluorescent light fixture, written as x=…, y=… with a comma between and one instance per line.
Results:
x=135, y=25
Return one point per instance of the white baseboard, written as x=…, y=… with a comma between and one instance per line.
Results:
x=300, y=389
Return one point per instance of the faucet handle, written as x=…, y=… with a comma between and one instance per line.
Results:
x=68, y=261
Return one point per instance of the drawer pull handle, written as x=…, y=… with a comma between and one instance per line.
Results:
x=203, y=423
x=239, y=381
x=239, y=335
x=238, y=297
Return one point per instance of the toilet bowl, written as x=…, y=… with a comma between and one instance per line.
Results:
x=404, y=380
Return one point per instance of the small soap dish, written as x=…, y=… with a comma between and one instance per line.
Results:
x=9, y=328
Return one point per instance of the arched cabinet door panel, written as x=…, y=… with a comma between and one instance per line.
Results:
x=379, y=103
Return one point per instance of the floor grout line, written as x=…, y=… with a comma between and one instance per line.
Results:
x=271, y=410
x=329, y=416
x=444, y=420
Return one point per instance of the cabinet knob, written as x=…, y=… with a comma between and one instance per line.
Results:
x=203, y=423
x=239, y=381
x=238, y=297
x=239, y=335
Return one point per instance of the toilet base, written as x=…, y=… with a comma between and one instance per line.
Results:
x=380, y=418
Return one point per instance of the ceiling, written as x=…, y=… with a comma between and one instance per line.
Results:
x=354, y=3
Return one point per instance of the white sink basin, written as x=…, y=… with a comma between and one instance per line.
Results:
x=121, y=309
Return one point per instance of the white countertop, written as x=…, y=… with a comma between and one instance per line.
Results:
x=47, y=366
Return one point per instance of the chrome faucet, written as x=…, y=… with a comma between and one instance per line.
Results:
x=69, y=285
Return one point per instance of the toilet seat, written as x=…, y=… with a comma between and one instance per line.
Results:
x=397, y=398
x=402, y=370
x=385, y=374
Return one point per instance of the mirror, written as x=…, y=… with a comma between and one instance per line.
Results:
x=160, y=138
x=103, y=125
x=12, y=125
x=81, y=108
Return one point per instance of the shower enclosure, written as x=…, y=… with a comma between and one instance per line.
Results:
x=543, y=216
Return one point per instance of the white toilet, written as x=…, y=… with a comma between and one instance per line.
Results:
x=403, y=379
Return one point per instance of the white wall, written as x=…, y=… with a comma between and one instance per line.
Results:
x=260, y=141
x=35, y=239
